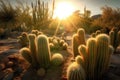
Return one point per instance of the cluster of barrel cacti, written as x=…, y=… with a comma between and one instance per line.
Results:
x=93, y=59
x=114, y=38
x=23, y=39
x=38, y=54
x=57, y=44
x=36, y=32
x=96, y=33
x=78, y=39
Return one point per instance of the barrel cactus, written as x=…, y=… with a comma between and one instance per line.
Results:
x=65, y=46
x=23, y=39
x=75, y=72
x=57, y=59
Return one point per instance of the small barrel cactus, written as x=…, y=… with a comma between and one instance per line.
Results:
x=23, y=39
x=51, y=46
x=61, y=42
x=75, y=72
x=65, y=46
x=57, y=59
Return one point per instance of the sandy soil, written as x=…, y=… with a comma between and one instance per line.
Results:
x=10, y=47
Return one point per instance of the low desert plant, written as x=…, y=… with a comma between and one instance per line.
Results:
x=57, y=59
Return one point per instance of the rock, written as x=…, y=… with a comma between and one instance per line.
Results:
x=2, y=74
x=9, y=74
x=8, y=52
x=18, y=70
x=9, y=64
x=112, y=76
x=5, y=60
x=2, y=66
x=41, y=72
x=17, y=78
x=115, y=59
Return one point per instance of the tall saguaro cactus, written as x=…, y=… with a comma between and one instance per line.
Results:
x=32, y=47
x=77, y=40
x=96, y=56
x=91, y=49
x=103, y=42
x=43, y=51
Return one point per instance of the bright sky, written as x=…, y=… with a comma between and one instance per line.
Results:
x=93, y=5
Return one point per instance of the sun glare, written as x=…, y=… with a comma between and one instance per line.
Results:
x=63, y=10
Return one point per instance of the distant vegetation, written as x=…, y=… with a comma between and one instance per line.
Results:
x=39, y=16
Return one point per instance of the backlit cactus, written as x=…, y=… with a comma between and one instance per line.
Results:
x=75, y=72
x=38, y=54
x=91, y=55
x=43, y=51
x=80, y=60
x=97, y=32
x=23, y=39
x=95, y=56
x=26, y=53
x=81, y=35
x=114, y=38
x=65, y=46
x=111, y=34
x=77, y=40
x=57, y=59
x=57, y=44
x=32, y=47
x=103, y=42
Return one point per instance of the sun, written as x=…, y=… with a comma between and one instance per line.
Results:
x=63, y=10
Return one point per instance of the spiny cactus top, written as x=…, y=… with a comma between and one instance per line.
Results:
x=75, y=72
